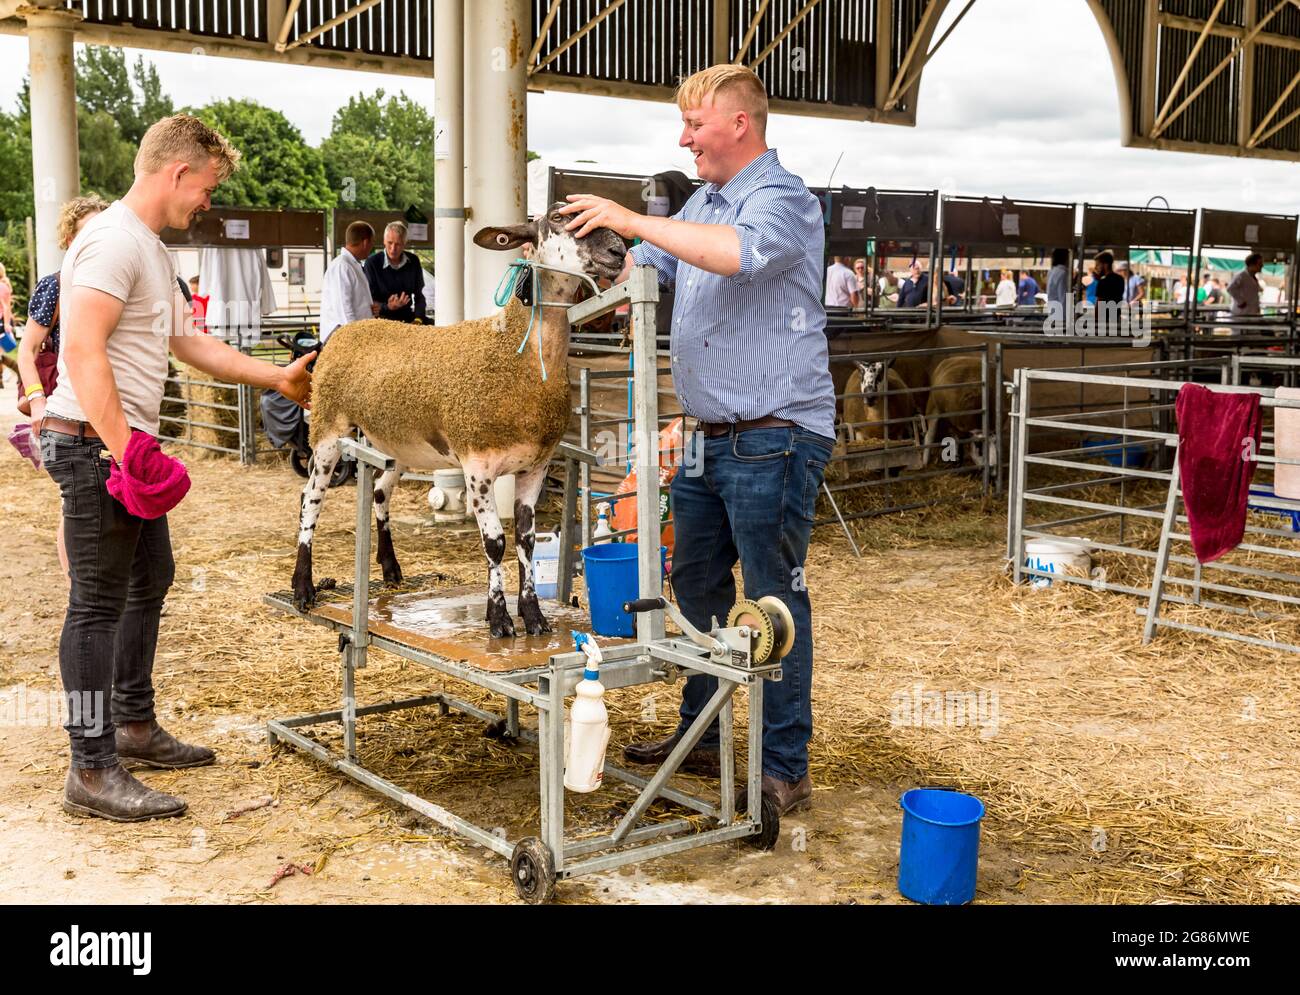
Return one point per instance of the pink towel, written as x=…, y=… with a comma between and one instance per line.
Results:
x=148, y=482
x=1218, y=440
x=21, y=439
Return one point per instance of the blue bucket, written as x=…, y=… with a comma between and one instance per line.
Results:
x=1108, y=447
x=941, y=844
x=7, y=342
x=610, y=570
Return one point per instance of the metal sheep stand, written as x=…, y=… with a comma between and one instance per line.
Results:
x=735, y=655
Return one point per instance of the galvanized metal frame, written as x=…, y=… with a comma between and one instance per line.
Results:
x=1156, y=592
x=652, y=658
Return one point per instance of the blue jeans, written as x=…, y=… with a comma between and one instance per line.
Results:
x=754, y=501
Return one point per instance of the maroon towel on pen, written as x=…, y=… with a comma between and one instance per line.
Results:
x=1218, y=438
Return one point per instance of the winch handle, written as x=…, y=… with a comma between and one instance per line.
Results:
x=644, y=605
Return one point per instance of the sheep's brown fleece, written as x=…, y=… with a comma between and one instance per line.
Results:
x=944, y=398
x=463, y=386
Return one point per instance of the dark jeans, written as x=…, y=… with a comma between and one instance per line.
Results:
x=754, y=501
x=121, y=567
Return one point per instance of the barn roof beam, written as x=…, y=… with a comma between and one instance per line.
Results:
x=749, y=31
x=770, y=47
x=907, y=74
x=286, y=25
x=1166, y=117
x=1260, y=135
x=329, y=25
x=612, y=6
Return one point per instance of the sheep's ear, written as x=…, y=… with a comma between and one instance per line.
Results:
x=510, y=237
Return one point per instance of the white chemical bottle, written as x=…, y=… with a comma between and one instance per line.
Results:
x=586, y=730
x=602, y=524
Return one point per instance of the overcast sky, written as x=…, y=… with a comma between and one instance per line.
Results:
x=1020, y=102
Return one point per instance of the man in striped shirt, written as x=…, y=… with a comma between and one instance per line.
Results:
x=749, y=362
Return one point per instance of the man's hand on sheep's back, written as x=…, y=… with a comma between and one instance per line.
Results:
x=597, y=212
x=295, y=381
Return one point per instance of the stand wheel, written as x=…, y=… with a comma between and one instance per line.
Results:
x=299, y=460
x=533, y=871
x=765, y=838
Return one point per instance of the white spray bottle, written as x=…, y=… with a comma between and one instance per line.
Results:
x=586, y=730
x=602, y=529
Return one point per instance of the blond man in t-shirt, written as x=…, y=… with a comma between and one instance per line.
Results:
x=121, y=312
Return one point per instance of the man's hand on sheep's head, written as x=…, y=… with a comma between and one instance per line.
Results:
x=597, y=212
x=295, y=381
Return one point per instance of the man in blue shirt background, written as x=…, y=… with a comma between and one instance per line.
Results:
x=750, y=363
x=1027, y=292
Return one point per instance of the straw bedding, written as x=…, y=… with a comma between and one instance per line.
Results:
x=1121, y=772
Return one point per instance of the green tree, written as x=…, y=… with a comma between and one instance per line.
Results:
x=132, y=96
x=379, y=153
x=107, y=158
x=278, y=168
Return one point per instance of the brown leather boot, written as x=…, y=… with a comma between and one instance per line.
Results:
x=112, y=793
x=150, y=744
x=788, y=796
x=701, y=760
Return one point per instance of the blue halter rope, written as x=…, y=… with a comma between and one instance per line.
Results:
x=515, y=274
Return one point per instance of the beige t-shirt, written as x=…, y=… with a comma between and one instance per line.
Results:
x=118, y=254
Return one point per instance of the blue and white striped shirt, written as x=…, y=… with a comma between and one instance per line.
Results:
x=752, y=345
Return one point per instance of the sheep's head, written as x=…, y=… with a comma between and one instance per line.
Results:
x=873, y=381
x=599, y=253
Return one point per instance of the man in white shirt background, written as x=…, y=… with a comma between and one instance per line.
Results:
x=1244, y=288
x=841, y=285
x=345, y=291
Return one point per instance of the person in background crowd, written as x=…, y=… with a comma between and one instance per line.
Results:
x=396, y=277
x=888, y=290
x=1135, y=285
x=1110, y=285
x=863, y=276
x=6, y=302
x=1203, y=291
x=841, y=285
x=1005, y=295
x=1180, y=291
x=345, y=294
x=38, y=353
x=1243, y=291
x=1216, y=295
x=1027, y=291
x=198, y=303
x=1058, y=283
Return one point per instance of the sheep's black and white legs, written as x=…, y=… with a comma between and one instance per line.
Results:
x=482, y=501
x=323, y=458
x=384, y=485
x=528, y=486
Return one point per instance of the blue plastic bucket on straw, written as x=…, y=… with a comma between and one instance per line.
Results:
x=940, y=849
x=611, y=574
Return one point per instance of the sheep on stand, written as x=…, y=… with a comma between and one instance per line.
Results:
x=476, y=395
x=957, y=401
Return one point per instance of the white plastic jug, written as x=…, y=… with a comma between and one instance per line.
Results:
x=546, y=565
x=586, y=730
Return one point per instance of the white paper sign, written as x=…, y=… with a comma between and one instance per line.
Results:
x=657, y=207
x=235, y=227
x=853, y=216
x=441, y=144
x=417, y=233
x=1252, y=234
x=1011, y=224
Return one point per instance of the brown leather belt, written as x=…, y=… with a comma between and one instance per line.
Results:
x=80, y=429
x=713, y=429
